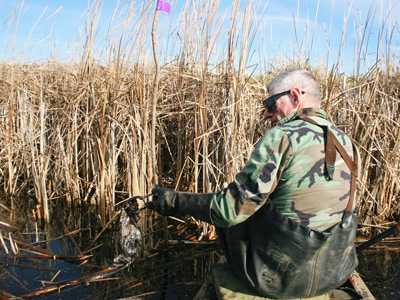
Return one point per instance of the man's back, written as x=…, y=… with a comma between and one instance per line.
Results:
x=304, y=192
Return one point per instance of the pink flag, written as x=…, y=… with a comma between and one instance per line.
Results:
x=163, y=6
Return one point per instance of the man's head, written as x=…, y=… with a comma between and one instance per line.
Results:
x=294, y=89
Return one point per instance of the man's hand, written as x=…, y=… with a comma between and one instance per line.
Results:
x=168, y=202
x=163, y=201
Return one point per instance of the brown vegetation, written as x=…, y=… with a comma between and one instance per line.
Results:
x=82, y=131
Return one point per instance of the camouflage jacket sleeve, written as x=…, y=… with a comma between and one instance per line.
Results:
x=253, y=184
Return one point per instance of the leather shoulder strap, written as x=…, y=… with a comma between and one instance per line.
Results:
x=332, y=144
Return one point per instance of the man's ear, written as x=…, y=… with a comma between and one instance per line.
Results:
x=296, y=96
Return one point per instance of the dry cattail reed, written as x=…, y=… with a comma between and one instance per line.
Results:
x=98, y=130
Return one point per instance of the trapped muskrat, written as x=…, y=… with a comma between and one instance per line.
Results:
x=130, y=236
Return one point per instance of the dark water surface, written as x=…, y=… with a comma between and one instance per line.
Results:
x=380, y=269
x=82, y=248
x=175, y=271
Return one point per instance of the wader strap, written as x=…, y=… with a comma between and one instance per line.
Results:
x=330, y=157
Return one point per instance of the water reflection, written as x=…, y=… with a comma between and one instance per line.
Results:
x=380, y=270
x=55, y=261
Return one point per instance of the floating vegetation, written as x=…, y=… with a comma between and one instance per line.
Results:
x=54, y=261
x=68, y=262
x=379, y=268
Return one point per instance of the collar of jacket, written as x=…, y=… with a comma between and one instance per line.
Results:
x=305, y=112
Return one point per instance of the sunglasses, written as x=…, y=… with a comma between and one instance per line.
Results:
x=269, y=103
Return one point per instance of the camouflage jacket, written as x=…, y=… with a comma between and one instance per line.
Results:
x=287, y=167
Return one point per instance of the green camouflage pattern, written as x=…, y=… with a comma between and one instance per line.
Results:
x=287, y=167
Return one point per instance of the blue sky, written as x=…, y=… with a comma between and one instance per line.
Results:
x=37, y=30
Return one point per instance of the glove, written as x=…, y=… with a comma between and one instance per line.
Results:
x=163, y=201
x=168, y=202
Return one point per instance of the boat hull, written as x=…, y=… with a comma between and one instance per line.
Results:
x=222, y=285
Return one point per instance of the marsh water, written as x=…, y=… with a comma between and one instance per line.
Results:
x=58, y=260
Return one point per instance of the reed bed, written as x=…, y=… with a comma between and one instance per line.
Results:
x=97, y=130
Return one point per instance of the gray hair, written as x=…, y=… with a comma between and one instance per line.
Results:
x=299, y=78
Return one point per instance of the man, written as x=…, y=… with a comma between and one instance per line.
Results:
x=287, y=222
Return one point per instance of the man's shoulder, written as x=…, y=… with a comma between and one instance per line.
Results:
x=275, y=140
x=272, y=134
x=299, y=128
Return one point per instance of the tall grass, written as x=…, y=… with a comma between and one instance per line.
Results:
x=97, y=129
